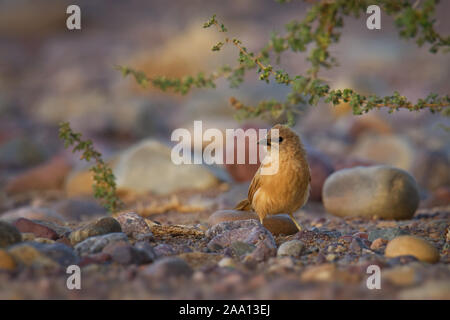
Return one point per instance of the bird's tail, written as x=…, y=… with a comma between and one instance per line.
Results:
x=244, y=205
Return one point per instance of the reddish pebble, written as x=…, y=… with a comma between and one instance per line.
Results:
x=39, y=230
x=346, y=238
x=361, y=235
x=98, y=258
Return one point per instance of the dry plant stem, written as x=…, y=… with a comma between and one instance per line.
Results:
x=104, y=186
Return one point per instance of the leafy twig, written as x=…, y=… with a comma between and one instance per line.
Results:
x=317, y=31
x=104, y=181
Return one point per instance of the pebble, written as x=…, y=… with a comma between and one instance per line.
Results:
x=58, y=252
x=321, y=273
x=8, y=235
x=414, y=246
x=62, y=231
x=330, y=257
x=431, y=290
x=240, y=248
x=400, y=275
x=292, y=248
x=124, y=253
x=222, y=235
x=97, y=243
x=200, y=260
x=34, y=253
x=146, y=247
x=359, y=244
x=144, y=237
x=133, y=225
x=39, y=230
x=100, y=227
x=378, y=243
x=6, y=261
x=27, y=254
x=362, y=235
x=96, y=258
x=328, y=272
x=164, y=249
x=386, y=233
x=276, y=224
x=401, y=260
x=44, y=240
x=169, y=267
x=227, y=263
x=79, y=209
x=280, y=265
x=28, y=236
x=378, y=191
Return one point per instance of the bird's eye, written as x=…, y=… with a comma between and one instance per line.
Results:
x=280, y=139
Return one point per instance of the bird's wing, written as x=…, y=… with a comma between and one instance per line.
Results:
x=254, y=186
x=246, y=205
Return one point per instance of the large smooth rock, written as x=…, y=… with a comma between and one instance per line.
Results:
x=78, y=209
x=320, y=167
x=20, y=152
x=388, y=150
x=412, y=246
x=79, y=181
x=32, y=213
x=276, y=224
x=378, y=191
x=47, y=176
x=148, y=167
x=431, y=169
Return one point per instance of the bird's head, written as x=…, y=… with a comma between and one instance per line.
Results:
x=282, y=138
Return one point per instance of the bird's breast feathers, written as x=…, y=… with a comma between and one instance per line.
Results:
x=284, y=192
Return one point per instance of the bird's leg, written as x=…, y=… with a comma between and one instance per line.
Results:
x=299, y=227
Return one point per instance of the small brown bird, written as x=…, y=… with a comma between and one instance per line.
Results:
x=288, y=189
